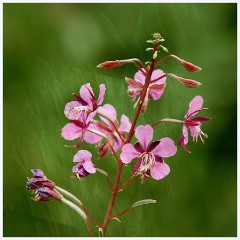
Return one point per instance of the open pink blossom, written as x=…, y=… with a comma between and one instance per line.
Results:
x=151, y=162
x=193, y=124
x=85, y=103
x=110, y=127
x=155, y=90
x=77, y=129
x=85, y=165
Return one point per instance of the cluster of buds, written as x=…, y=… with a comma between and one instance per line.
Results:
x=42, y=187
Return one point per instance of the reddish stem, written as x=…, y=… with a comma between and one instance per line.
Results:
x=120, y=214
x=90, y=216
x=130, y=135
x=89, y=228
x=127, y=182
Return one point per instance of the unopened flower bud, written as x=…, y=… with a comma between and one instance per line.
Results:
x=116, y=63
x=44, y=194
x=190, y=67
x=189, y=82
x=155, y=55
x=149, y=49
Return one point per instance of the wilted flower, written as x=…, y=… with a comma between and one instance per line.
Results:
x=193, y=124
x=42, y=187
x=85, y=165
x=151, y=162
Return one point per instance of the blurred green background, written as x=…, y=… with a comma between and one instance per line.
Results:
x=50, y=50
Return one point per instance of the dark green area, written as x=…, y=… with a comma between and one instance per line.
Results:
x=50, y=50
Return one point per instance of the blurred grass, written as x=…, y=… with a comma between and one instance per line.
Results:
x=50, y=50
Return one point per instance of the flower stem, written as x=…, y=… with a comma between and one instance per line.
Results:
x=89, y=228
x=121, y=213
x=130, y=135
x=70, y=195
x=127, y=182
x=167, y=120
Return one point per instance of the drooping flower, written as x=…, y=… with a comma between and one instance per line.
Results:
x=151, y=162
x=85, y=165
x=193, y=124
x=110, y=127
x=85, y=103
x=42, y=187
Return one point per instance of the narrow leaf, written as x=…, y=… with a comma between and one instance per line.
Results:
x=143, y=202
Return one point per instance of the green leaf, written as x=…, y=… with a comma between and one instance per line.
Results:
x=143, y=202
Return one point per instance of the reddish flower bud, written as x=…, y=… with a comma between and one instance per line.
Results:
x=110, y=64
x=116, y=63
x=190, y=67
x=189, y=82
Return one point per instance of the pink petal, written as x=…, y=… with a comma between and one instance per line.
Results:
x=156, y=94
x=89, y=166
x=117, y=144
x=159, y=170
x=125, y=124
x=91, y=116
x=194, y=106
x=69, y=110
x=102, y=90
x=185, y=134
x=144, y=134
x=108, y=111
x=156, y=74
x=128, y=153
x=86, y=93
x=139, y=77
x=82, y=155
x=166, y=148
x=194, y=131
x=90, y=137
x=137, y=165
x=70, y=131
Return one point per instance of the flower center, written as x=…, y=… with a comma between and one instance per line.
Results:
x=148, y=160
x=80, y=110
x=199, y=133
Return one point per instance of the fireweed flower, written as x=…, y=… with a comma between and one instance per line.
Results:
x=109, y=126
x=77, y=129
x=193, y=124
x=154, y=91
x=151, y=162
x=85, y=165
x=85, y=103
x=42, y=187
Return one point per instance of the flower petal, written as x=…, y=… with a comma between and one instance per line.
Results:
x=144, y=134
x=89, y=167
x=156, y=74
x=194, y=106
x=82, y=155
x=159, y=170
x=102, y=90
x=90, y=137
x=108, y=111
x=125, y=124
x=166, y=148
x=139, y=77
x=87, y=94
x=70, y=112
x=185, y=135
x=194, y=131
x=156, y=91
x=128, y=153
x=70, y=131
x=137, y=165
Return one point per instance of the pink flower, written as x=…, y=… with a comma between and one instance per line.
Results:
x=111, y=128
x=77, y=129
x=193, y=124
x=150, y=157
x=155, y=90
x=85, y=103
x=85, y=165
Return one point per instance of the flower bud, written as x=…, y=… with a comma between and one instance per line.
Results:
x=110, y=64
x=189, y=82
x=190, y=67
x=44, y=194
x=116, y=63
